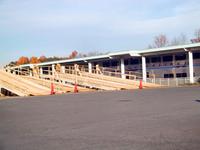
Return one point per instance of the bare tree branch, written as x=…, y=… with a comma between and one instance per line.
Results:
x=181, y=39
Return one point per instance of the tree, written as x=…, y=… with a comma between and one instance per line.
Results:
x=73, y=54
x=197, y=34
x=81, y=55
x=42, y=59
x=34, y=60
x=160, y=41
x=94, y=53
x=150, y=46
x=22, y=60
x=181, y=39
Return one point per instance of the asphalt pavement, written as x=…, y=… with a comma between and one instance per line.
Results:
x=153, y=119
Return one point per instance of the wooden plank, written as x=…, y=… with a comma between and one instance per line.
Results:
x=95, y=82
x=16, y=83
x=60, y=87
x=118, y=80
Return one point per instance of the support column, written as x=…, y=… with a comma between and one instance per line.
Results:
x=144, y=70
x=63, y=69
x=53, y=69
x=191, y=67
x=41, y=71
x=123, y=76
x=30, y=72
x=90, y=67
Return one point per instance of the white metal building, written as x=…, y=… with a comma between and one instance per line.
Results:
x=181, y=61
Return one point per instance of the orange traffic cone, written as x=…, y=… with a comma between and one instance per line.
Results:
x=75, y=88
x=52, y=89
x=140, y=87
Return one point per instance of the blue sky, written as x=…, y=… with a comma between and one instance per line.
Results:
x=55, y=28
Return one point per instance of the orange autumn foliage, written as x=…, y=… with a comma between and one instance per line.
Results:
x=22, y=60
x=34, y=60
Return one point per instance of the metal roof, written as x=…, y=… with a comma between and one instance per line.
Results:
x=169, y=48
x=66, y=61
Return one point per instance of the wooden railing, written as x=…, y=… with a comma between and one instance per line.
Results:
x=101, y=78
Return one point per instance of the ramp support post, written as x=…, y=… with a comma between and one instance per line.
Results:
x=53, y=69
x=63, y=69
x=41, y=70
x=90, y=67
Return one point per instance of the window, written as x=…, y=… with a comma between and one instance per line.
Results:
x=196, y=55
x=180, y=57
x=147, y=74
x=45, y=70
x=114, y=62
x=179, y=75
x=106, y=64
x=134, y=61
x=126, y=61
x=169, y=75
x=147, y=60
x=155, y=59
x=167, y=58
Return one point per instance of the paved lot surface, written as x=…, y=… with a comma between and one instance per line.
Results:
x=164, y=119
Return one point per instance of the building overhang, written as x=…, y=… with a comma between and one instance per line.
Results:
x=170, y=49
x=134, y=54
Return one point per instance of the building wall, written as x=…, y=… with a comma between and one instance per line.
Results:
x=161, y=66
x=173, y=65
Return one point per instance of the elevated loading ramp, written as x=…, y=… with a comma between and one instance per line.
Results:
x=21, y=86
x=59, y=85
x=129, y=84
x=83, y=81
x=98, y=81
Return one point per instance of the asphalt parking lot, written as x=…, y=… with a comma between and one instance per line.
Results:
x=154, y=119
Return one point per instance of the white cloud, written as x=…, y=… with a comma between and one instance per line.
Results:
x=25, y=17
x=191, y=6
x=172, y=24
